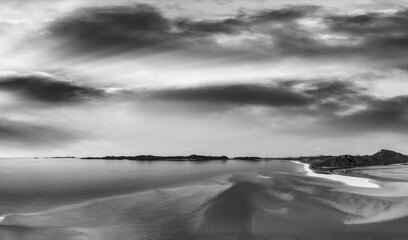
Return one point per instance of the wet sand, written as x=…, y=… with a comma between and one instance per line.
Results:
x=394, y=172
x=275, y=200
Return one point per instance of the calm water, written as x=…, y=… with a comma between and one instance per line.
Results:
x=98, y=199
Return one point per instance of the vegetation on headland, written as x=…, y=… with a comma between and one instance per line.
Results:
x=332, y=164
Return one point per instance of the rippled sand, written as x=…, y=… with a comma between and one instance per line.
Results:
x=255, y=204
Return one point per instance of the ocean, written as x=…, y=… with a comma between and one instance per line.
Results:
x=50, y=199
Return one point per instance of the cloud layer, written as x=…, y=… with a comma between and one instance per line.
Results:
x=340, y=105
x=131, y=72
x=296, y=30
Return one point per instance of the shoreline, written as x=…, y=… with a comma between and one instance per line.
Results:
x=348, y=180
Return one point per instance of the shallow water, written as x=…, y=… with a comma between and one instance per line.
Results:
x=43, y=199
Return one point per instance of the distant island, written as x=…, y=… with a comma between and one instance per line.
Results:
x=319, y=164
x=162, y=158
x=193, y=157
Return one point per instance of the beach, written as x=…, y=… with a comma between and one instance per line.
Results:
x=348, y=180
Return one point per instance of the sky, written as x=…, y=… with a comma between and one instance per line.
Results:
x=215, y=77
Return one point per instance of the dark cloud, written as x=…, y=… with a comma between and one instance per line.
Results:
x=369, y=23
x=324, y=89
x=192, y=28
x=288, y=13
x=319, y=94
x=47, y=89
x=380, y=115
x=335, y=95
x=380, y=34
x=338, y=107
x=244, y=21
x=118, y=29
x=344, y=108
x=328, y=97
x=373, y=35
x=34, y=135
x=358, y=24
x=235, y=95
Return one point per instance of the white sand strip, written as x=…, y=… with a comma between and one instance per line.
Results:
x=351, y=181
x=263, y=176
x=2, y=217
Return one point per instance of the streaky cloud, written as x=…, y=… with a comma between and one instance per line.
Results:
x=33, y=135
x=338, y=107
x=47, y=88
x=239, y=94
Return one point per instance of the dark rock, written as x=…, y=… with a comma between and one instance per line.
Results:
x=382, y=157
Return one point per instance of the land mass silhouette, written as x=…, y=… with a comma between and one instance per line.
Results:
x=319, y=164
x=329, y=164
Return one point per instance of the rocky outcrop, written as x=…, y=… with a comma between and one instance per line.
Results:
x=382, y=157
